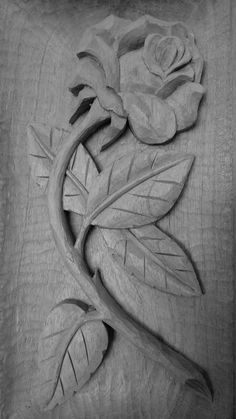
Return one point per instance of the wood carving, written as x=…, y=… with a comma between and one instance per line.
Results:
x=143, y=76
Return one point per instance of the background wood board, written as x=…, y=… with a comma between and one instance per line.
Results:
x=38, y=47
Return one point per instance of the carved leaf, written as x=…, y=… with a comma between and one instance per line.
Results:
x=43, y=142
x=151, y=119
x=137, y=189
x=154, y=258
x=84, y=170
x=71, y=348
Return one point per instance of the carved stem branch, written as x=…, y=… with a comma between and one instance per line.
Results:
x=180, y=367
x=114, y=315
x=61, y=231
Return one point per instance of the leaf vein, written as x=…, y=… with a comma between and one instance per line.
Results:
x=130, y=167
x=149, y=197
x=85, y=345
x=171, y=182
x=154, y=160
x=72, y=365
x=38, y=156
x=56, y=333
x=109, y=179
x=87, y=171
x=62, y=387
x=131, y=212
x=108, y=200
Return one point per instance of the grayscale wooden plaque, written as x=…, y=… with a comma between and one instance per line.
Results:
x=117, y=209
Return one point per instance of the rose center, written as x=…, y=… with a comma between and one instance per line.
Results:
x=168, y=51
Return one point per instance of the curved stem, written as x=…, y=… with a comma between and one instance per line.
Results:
x=61, y=232
x=113, y=314
x=181, y=368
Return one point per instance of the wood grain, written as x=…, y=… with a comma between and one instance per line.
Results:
x=38, y=47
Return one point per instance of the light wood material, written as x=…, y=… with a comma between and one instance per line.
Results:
x=32, y=269
x=180, y=368
x=149, y=244
x=133, y=191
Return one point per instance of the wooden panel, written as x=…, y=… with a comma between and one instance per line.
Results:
x=38, y=46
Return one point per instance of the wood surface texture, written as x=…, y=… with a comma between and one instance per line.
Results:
x=39, y=42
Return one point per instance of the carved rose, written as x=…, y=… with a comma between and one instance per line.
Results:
x=167, y=57
x=147, y=73
x=148, y=70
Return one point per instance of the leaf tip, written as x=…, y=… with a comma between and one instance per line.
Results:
x=196, y=292
x=30, y=130
x=200, y=388
x=190, y=159
x=35, y=131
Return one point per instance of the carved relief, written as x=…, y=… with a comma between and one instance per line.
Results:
x=155, y=67
x=143, y=76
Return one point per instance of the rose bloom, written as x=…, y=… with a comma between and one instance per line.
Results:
x=147, y=71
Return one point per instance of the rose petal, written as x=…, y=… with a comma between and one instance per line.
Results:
x=136, y=32
x=92, y=75
x=175, y=80
x=85, y=99
x=88, y=73
x=168, y=51
x=180, y=30
x=185, y=101
x=155, y=53
x=151, y=119
x=111, y=101
x=137, y=87
x=97, y=47
x=177, y=64
x=134, y=75
x=98, y=42
x=114, y=130
x=164, y=55
x=197, y=60
x=113, y=25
